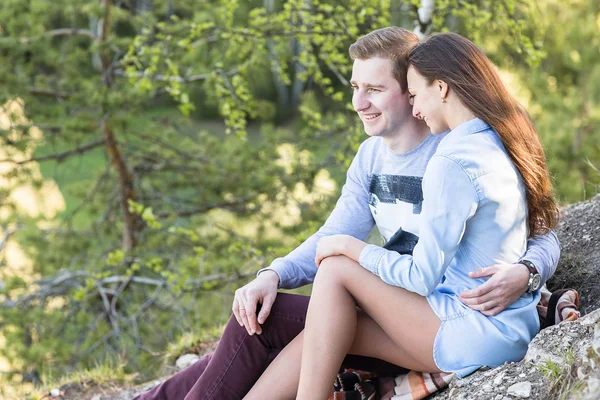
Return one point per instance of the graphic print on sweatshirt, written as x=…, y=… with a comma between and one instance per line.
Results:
x=395, y=202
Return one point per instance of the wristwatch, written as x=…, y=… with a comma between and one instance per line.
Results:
x=535, y=279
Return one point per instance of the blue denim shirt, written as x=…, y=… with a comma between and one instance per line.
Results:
x=474, y=215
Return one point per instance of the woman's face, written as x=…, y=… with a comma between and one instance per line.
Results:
x=426, y=101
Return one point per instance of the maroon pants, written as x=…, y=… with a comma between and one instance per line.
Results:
x=240, y=359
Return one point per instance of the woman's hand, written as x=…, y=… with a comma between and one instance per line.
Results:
x=337, y=245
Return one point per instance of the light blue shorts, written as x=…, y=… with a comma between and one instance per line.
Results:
x=467, y=339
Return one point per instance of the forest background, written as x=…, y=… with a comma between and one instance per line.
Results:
x=155, y=154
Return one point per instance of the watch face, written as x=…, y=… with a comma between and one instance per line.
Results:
x=536, y=282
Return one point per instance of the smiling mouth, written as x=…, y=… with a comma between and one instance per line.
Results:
x=370, y=117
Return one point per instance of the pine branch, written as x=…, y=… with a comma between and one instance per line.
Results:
x=49, y=93
x=164, y=78
x=61, y=284
x=7, y=236
x=59, y=157
x=200, y=210
x=42, y=127
x=59, y=32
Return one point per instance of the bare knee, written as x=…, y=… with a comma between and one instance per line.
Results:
x=331, y=270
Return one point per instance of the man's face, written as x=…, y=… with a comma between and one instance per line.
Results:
x=378, y=98
x=426, y=101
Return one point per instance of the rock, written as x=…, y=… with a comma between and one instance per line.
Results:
x=186, y=360
x=55, y=392
x=521, y=389
x=596, y=340
x=498, y=379
x=579, y=264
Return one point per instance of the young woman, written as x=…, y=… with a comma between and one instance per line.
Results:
x=486, y=190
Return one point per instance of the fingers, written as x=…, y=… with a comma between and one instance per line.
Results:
x=318, y=259
x=483, y=272
x=265, y=309
x=236, y=311
x=486, y=306
x=240, y=309
x=246, y=302
x=318, y=254
x=246, y=307
x=251, y=303
x=485, y=301
x=479, y=291
x=490, y=303
x=244, y=318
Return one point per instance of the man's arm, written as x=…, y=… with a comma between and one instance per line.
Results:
x=544, y=252
x=509, y=281
x=350, y=216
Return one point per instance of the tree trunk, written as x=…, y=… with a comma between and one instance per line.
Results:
x=130, y=224
x=130, y=227
x=282, y=90
x=298, y=84
x=424, y=20
x=93, y=23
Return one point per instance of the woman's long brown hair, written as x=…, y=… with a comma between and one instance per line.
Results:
x=470, y=74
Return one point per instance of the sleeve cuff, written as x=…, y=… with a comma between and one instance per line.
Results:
x=270, y=269
x=279, y=267
x=370, y=256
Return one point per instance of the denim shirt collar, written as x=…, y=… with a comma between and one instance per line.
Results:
x=466, y=128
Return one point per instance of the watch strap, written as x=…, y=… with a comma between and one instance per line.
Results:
x=533, y=273
x=530, y=266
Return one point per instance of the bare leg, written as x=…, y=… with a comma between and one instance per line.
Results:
x=400, y=326
x=280, y=380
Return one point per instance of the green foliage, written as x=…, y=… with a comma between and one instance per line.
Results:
x=512, y=23
x=565, y=96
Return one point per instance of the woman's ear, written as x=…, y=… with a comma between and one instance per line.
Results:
x=444, y=88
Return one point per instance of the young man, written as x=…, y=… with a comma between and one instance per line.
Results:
x=383, y=188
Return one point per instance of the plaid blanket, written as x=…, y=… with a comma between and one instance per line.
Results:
x=553, y=308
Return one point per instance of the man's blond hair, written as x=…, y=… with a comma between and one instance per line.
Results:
x=392, y=43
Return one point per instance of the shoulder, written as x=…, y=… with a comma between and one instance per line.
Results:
x=477, y=153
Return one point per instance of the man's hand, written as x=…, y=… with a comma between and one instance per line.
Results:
x=261, y=290
x=506, y=284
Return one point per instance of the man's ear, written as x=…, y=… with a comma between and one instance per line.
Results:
x=444, y=88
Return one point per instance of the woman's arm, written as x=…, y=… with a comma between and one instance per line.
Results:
x=450, y=200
